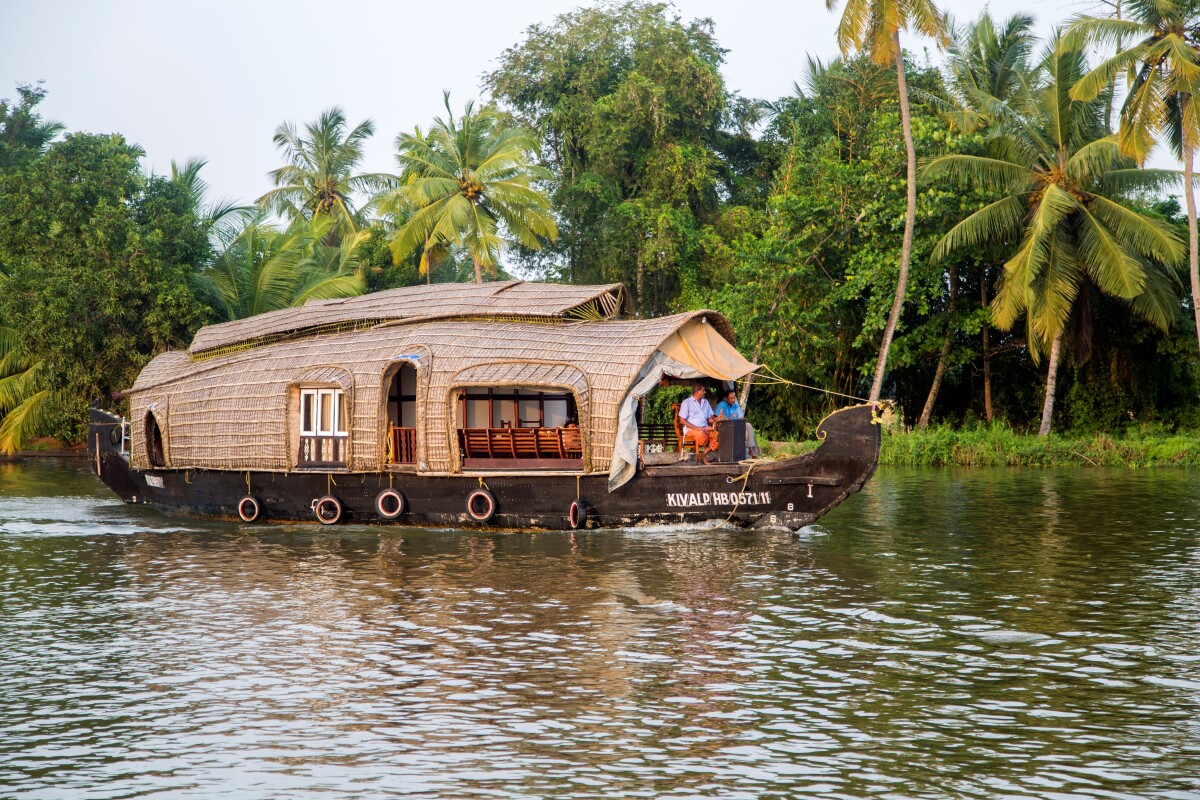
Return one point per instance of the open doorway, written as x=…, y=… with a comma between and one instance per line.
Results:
x=402, y=415
x=155, y=451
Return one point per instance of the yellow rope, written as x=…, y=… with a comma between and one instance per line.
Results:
x=483, y=485
x=248, y=482
x=776, y=380
x=745, y=480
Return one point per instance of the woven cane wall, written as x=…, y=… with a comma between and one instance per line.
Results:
x=231, y=412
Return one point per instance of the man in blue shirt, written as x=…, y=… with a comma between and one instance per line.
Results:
x=730, y=408
x=695, y=416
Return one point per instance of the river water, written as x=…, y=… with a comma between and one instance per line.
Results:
x=943, y=634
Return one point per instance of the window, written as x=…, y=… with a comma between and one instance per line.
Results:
x=323, y=412
x=519, y=427
x=324, y=427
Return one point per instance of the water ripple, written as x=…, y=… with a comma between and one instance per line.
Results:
x=946, y=634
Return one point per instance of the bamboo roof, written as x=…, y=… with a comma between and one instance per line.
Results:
x=495, y=300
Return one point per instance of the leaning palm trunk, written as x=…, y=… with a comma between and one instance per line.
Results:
x=1051, y=382
x=478, y=269
x=987, y=358
x=910, y=217
x=940, y=372
x=1189, y=194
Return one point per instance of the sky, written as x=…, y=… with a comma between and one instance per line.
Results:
x=214, y=79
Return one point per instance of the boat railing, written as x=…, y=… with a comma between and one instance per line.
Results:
x=322, y=451
x=521, y=447
x=658, y=437
x=402, y=445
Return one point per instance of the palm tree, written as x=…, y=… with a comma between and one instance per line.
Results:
x=1061, y=218
x=1163, y=65
x=987, y=68
x=319, y=177
x=987, y=71
x=24, y=396
x=463, y=181
x=873, y=26
x=262, y=268
x=216, y=217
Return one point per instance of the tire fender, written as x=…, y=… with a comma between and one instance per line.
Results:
x=481, y=505
x=577, y=516
x=249, y=509
x=327, y=510
x=390, y=504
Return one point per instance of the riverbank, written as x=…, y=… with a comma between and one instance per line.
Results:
x=1000, y=446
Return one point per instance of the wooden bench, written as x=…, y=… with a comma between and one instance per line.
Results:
x=521, y=448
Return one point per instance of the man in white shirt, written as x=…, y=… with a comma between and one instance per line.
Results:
x=695, y=416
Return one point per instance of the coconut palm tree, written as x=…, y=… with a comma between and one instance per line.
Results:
x=1163, y=65
x=24, y=396
x=986, y=73
x=319, y=176
x=464, y=181
x=1061, y=218
x=986, y=69
x=216, y=217
x=873, y=27
x=262, y=268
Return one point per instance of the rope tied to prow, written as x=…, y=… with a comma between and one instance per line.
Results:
x=775, y=379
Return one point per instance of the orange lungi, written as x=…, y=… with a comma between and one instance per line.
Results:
x=701, y=438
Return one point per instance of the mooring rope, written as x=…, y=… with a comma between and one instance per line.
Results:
x=774, y=379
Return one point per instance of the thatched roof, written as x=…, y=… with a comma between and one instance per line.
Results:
x=496, y=300
x=232, y=410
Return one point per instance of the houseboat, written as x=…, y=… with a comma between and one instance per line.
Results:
x=507, y=404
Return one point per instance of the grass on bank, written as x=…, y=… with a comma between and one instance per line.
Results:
x=1000, y=446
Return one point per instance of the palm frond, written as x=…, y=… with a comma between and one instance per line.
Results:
x=25, y=422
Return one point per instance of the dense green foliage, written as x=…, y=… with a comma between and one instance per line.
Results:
x=98, y=259
x=611, y=149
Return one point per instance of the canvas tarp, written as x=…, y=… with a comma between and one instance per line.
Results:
x=701, y=347
x=696, y=350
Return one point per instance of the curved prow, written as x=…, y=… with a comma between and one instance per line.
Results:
x=106, y=453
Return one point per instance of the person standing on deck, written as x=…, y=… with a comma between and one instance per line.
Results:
x=696, y=415
x=730, y=408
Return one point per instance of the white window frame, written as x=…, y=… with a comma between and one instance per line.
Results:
x=319, y=396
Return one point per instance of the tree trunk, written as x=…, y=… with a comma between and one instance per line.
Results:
x=478, y=269
x=910, y=218
x=1051, y=382
x=641, y=282
x=987, y=358
x=1112, y=82
x=940, y=372
x=744, y=397
x=1189, y=196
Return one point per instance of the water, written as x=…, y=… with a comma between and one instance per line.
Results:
x=943, y=634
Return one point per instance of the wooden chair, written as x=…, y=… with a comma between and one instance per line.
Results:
x=692, y=443
x=525, y=443
x=477, y=443
x=502, y=443
x=683, y=444
x=550, y=443
x=572, y=442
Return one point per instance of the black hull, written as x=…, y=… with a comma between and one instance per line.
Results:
x=790, y=493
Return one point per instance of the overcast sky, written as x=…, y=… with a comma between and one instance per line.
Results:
x=214, y=79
